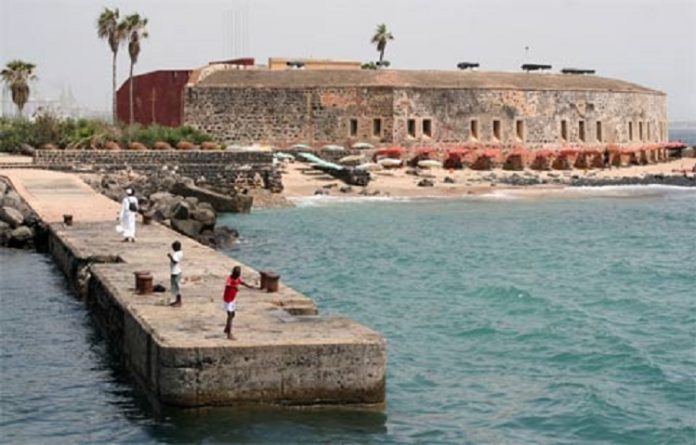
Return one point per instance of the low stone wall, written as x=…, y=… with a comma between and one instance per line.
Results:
x=218, y=168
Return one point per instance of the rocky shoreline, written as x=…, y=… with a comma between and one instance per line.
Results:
x=20, y=228
x=176, y=202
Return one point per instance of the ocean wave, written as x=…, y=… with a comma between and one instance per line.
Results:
x=322, y=200
x=603, y=191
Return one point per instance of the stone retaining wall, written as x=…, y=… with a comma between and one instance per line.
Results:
x=218, y=168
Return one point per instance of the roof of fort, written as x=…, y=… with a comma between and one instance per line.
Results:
x=416, y=79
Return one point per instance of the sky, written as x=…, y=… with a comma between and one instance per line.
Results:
x=648, y=42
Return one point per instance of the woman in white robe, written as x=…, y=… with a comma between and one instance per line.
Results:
x=127, y=216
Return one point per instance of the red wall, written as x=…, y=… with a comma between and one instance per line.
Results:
x=157, y=98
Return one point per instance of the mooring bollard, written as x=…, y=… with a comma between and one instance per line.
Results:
x=67, y=220
x=143, y=282
x=272, y=280
x=262, y=284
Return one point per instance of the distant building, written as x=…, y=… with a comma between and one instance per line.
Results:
x=320, y=102
x=156, y=98
x=421, y=108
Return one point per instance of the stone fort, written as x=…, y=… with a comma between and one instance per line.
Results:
x=343, y=104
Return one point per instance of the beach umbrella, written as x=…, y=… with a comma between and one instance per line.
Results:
x=392, y=152
x=363, y=145
x=460, y=152
x=543, y=153
x=569, y=151
x=424, y=151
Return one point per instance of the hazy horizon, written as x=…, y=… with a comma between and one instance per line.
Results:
x=647, y=42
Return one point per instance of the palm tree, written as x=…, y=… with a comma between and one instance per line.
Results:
x=135, y=31
x=381, y=37
x=16, y=76
x=113, y=31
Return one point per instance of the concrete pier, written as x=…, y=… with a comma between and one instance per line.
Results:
x=284, y=351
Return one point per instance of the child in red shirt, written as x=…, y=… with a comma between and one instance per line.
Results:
x=230, y=297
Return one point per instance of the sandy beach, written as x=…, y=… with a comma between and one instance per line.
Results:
x=300, y=180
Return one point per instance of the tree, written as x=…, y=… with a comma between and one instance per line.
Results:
x=16, y=77
x=136, y=32
x=380, y=38
x=110, y=29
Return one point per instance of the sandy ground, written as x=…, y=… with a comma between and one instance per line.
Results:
x=300, y=180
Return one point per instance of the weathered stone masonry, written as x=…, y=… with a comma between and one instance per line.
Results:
x=219, y=168
x=430, y=108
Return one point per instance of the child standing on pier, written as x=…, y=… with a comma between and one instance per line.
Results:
x=230, y=297
x=175, y=257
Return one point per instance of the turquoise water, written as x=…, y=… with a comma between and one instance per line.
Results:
x=507, y=321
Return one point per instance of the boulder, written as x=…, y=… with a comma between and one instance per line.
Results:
x=5, y=230
x=426, y=183
x=221, y=203
x=206, y=237
x=448, y=180
x=204, y=216
x=20, y=237
x=188, y=227
x=181, y=210
x=346, y=189
x=225, y=237
x=11, y=199
x=11, y=216
x=192, y=200
x=3, y=188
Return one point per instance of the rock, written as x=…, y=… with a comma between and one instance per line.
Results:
x=346, y=189
x=3, y=188
x=161, y=196
x=5, y=230
x=192, y=200
x=448, y=180
x=188, y=227
x=221, y=203
x=20, y=237
x=225, y=237
x=321, y=192
x=426, y=183
x=206, y=205
x=412, y=171
x=11, y=216
x=207, y=238
x=181, y=211
x=11, y=199
x=206, y=217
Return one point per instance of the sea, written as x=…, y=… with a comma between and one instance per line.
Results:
x=507, y=320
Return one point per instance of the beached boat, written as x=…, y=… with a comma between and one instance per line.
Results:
x=390, y=162
x=352, y=160
x=332, y=147
x=370, y=167
x=429, y=163
x=363, y=146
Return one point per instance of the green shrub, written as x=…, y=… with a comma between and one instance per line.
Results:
x=87, y=133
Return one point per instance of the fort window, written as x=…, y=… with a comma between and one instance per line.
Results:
x=564, y=130
x=581, y=130
x=519, y=130
x=630, y=131
x=496, y=130
x=473, y=129
x=640, y=130
x=353, y=127
x=428, y=127
x=599, y=131
x=411, y=127
x=377, y=127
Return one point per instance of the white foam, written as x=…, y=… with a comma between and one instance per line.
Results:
x=322, y=200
